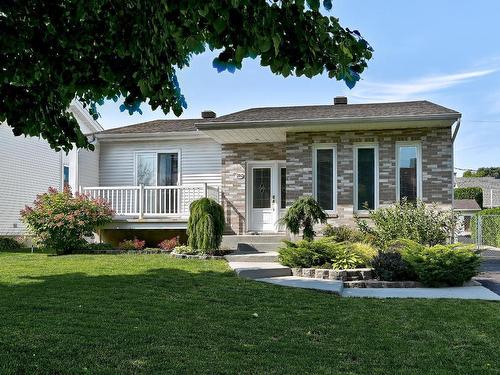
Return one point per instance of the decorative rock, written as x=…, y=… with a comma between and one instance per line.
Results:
x=321, y=273
x=308, y=272
x=297, y=272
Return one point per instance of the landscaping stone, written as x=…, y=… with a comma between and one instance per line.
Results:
x=321, y=274
x=345, y=275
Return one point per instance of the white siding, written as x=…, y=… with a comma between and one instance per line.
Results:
x=28, y=166
x=200, y=160
x=88, y=167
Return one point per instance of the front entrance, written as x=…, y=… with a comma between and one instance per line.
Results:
x=266, y=195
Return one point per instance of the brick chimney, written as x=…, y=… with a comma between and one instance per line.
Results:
x=208, y=114
x=340, y=100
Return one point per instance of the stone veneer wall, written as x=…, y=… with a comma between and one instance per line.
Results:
x=234, y=163
x=437, y=164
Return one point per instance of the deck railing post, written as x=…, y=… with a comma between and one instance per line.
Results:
x=205, y=190
x=141, y=201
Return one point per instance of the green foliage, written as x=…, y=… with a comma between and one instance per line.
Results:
x=325, y=253
x=475, y=193
x=443, y=264
x=344, y=233
x=134, y=244
x=490, y=224
x=390, y=266
x=484, y=172
x=8, y=243
x=105, y=49
x=303, y=213
x=402, y=245
x=183, y=249
x=60, y=221
x=425, y=224
x=205, y=225
x=98, y=246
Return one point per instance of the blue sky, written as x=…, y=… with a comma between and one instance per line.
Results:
x=443, y=51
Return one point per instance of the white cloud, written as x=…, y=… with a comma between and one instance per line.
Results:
x=414, y=89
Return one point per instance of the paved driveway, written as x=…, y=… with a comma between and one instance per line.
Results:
x=490, y=270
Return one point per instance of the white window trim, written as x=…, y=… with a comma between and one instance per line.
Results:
x=418, y=145
x=325, y=146
x=156, y=152
x=356, y=147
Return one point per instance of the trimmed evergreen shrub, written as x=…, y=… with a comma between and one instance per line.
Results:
x=475, y=193
x=205, y=225
x=402, y=245
x=390, y=266
x=443, y=264
x=344, y=233
x=365, y=252
x=8, y=243
x=303, y=213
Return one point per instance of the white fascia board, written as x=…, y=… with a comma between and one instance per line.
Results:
x=156, y=136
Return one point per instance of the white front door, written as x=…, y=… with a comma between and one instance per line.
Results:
x=264, y=196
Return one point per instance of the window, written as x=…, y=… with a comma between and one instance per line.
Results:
x=365, y=177
x=157, y=168
x=409, y=179
x=261, y=187
x=324, y=176
x=65, y=176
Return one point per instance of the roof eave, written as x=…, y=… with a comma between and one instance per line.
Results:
x=156, y=135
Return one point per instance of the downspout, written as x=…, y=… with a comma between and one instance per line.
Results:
x=453, y=137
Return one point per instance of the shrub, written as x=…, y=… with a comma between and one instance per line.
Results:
x=443, y=264
x=425, y=224
x=390, y=266
x=475, y=193
x=322, y=253
x=402, y=245
x=98, y=246
x=303, y=213
x=134, y=244
x=205, y=225
x=343, y=233
x=8, y=243
x=365, y=252
x=490, y=227
x=169, y=245
x=61, y=220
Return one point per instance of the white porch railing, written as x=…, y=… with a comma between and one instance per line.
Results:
x=152, y=201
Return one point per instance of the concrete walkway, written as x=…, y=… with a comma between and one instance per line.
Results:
x=332, y=286
x=465, y=292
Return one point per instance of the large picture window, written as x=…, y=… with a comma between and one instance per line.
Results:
x=324, y=176
x=365, y=177
x=157, y=168
x=409, y=161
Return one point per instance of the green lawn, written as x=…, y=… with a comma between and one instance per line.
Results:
x=129, y=314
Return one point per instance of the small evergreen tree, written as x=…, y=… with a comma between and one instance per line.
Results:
x=303, y=213
x=205, y=225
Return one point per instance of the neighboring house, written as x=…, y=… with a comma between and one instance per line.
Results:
x=350, y=157
x=489, y=185
x=28, y=166
x=465, y=210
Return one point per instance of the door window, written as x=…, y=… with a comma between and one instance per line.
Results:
x=261, y=187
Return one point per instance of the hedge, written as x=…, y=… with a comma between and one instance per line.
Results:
x=490, y=224
x=475, y=193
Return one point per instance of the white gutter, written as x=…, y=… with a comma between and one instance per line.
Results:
x=150, y=136
x=298, y=122
x=455, y=132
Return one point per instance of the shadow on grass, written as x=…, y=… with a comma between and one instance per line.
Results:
x=189, y=318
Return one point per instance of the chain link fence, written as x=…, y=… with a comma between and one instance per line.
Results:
x=485, y=230
x=491, y=198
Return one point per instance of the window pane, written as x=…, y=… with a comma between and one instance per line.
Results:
x=65, y=176
x=262, y=188
x=324, y=178
x=168, y=169
x=146, y=169
x=283, y=188
x=408, y=173
x=366, y=178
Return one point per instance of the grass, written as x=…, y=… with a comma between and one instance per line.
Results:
x=148, y=314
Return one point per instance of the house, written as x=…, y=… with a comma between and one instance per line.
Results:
x=256, y=162
x=489, y=185
x=28, y=166
x=465, y=209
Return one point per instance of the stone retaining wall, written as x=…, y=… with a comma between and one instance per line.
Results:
x=345, y=275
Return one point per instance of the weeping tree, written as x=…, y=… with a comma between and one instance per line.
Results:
x=52, y=52
x=205, y=225
x=304, y=213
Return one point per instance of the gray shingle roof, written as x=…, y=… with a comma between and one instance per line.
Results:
x=157, y=126
x=482, y=182
x=349, y=111
x=466, y=205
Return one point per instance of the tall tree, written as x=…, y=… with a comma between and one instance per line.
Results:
x=54, y=51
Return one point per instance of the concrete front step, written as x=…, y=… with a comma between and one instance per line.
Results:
x=332, y=286
x=257, y=247
x=265, y=257
x=259, y=270
x=232, y=241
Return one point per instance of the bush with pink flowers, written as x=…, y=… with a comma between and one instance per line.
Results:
x=134, y=244
x=170, y=244
x=61, y=220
